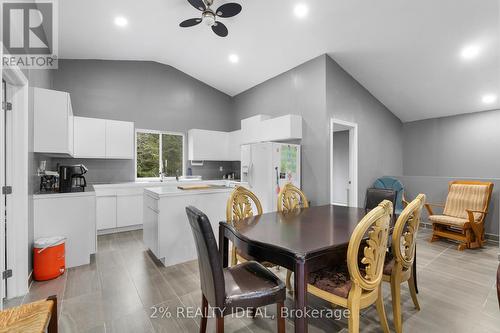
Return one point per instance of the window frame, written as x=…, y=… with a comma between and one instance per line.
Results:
x=150, y=131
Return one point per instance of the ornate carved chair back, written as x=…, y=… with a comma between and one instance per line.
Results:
x=376, y=224
x=405, y=231
x=241, y=204
x=291, y=198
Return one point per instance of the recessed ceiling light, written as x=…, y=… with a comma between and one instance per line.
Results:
x=121, y=21
x=300, y=10
x=470, y=52
x=234, y=58
x=489, y=98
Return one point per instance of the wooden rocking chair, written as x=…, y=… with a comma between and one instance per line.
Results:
x=463, y=215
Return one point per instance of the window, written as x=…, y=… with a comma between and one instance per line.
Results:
x=159, y=151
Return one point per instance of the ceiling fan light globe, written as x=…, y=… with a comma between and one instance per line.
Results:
x=209, y=18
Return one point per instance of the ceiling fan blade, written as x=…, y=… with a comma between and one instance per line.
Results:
x=228, y=9
x=190, y=22
x=220, y=29
x=198, y=4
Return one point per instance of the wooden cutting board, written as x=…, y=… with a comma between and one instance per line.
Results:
x=199, y=187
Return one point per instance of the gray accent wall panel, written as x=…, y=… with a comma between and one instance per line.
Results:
x=152, y=95
x=319, y=90
x=458, y=146
x=439, y=150
x=300, y=91
x=379, y=130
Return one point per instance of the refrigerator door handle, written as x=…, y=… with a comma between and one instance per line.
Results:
x=250, y=168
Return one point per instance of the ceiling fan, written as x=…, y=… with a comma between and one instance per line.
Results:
x=209, y=16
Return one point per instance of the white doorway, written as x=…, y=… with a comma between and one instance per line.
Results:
x=343, y=163
x=14, y=184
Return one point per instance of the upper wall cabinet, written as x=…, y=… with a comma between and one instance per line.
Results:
x=284, y=128
x=103, y=138
x=119, y=139
x=206, y=145
x=90, y=137
x=53, y=122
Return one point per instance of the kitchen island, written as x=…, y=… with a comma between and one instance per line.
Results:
x=166, y=228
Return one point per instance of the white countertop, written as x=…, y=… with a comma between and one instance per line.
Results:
x=62, y=195
x=167, y=183
x=166, y=191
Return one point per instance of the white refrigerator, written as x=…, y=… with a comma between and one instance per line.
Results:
x=266, y=167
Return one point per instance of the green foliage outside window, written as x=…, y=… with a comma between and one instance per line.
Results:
x=149, y=155
x=172, y=154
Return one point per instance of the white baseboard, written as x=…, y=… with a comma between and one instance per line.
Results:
x=116, y=230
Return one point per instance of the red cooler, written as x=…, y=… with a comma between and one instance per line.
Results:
x=48, y=258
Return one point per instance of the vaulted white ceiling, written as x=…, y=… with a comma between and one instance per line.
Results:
x=406, y=53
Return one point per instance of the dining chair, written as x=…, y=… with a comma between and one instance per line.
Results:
x=291, y=198
x=354, y=287
x=228, y=290
x=398, y=267
x=240, y=205
x=35, y=317
x=392, y=183
x=374, y=196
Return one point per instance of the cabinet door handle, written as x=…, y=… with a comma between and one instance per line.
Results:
x=154, y=210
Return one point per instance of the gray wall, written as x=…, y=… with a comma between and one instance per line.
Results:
x=318, y=90
x=439, y=150
x=152, y=95
x=340, y=166
x=40, y=79
x=301, y=91
x=379, y=130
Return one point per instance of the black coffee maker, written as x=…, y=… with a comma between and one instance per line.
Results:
x=71, y=178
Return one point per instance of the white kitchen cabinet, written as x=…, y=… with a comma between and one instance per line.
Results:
x=71, y=215
x=284, y=128
x=119, y=139
x=234, y=146
x=128, y=210
x=90, y=137
x=204, y=145
x=119, y=207
x=53, y=122
x=105, y=212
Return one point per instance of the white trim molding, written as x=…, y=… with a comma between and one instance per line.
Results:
x=353, y=160
x=17, y=208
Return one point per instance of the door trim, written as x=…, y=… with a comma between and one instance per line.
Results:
x=353, y=159
x=17, y=231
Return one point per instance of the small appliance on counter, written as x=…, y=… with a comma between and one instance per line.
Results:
x=71, y=178
x=48, y=179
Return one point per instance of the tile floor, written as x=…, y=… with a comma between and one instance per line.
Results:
x=123, y=287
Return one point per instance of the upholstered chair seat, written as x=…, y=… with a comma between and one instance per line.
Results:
x=449, y=220
x=335, y=280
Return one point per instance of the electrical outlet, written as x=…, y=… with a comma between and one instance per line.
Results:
x=221, y=168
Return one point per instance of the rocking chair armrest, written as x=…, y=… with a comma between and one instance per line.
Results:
x=429, y=205
x=470, y=213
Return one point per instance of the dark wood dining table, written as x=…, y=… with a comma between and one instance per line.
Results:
x=302, y=241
